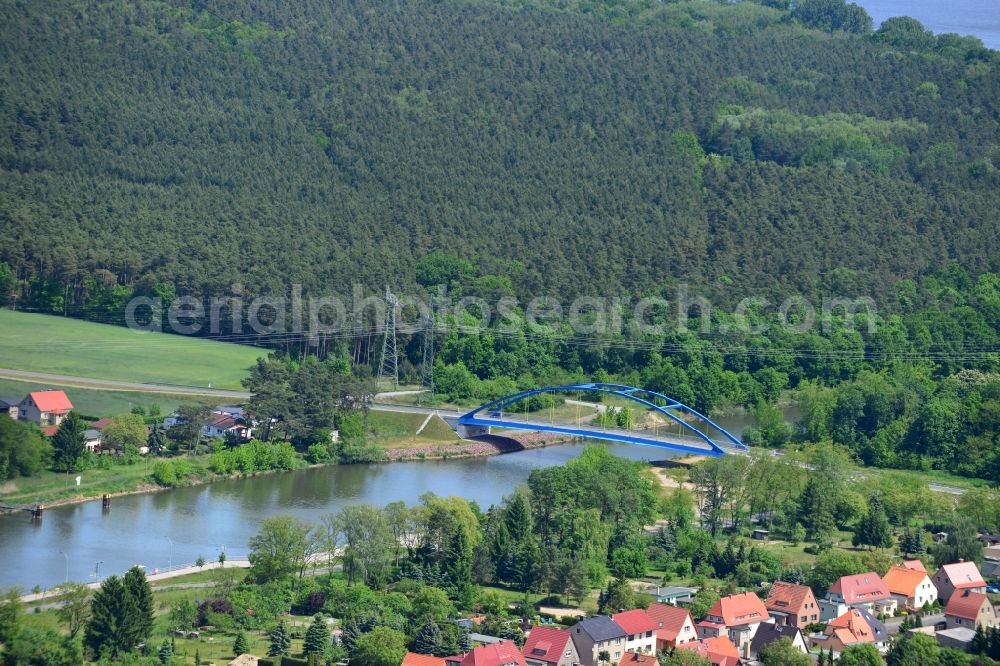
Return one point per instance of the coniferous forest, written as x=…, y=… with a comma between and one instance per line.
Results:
x=619, y=148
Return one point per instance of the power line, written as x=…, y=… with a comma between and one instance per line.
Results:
x=389, y=368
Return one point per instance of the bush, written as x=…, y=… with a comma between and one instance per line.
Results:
x=164, y=474
x=318, y=453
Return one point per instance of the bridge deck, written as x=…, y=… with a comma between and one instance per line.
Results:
x=655, y=438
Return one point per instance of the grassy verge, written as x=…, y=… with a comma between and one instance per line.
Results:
x=44, y=343
x=398, y=430
x=98, y=402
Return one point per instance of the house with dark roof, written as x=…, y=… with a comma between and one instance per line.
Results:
x=970, y=609
x=9, y=406
x=595, y=635
x=674, y=626
x=549, y=646
x=958, y=576
x=640, y=630
x=46, y=408
x=792, y=605
x=768, y=633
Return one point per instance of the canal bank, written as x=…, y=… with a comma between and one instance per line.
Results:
x=157, y=530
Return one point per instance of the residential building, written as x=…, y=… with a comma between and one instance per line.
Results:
x=768, y=633
x=502, y=653
x=92, y=440
x=736, y=617
x=417, y=659
x=864, y=590
x=719, y=650
x=911, y=588
x=792, y=605
x=916, y=565
x=675, y=626
x=46, y=408
x=670, y=595
x=958, y=576
x=638, y=659
x=549, y=646
x=640, y=630
x=9, y=406
x=970, y=609
x=595, y=635
x=991, y=562
x=959, y=638
x=855, y=626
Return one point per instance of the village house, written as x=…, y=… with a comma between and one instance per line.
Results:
x=46, y=408
x=417, y=659
x=864, y=590
x=92, y=440
x=223, y=421
x=910, y=587
x=670, y=594
x=970, y=609
x=675, y=626
x=8, y=406
x=638, y=659
x=549, y=646
x=792, y=605
x=767, y=633
x=501, y=653
x=991, y=562
x=854, y=627
x=958, y=576
x=640, y=630
x=719, y=650
x=595, y=635
x=736, y=617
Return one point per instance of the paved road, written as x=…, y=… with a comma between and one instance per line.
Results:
x=929, y=620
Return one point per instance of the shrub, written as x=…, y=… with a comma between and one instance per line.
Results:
x=164, y=474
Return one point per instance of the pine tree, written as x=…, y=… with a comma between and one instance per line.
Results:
x=466, y=642
x=241, y=645
x=428, y=639
x=874, y=529
x=317, y=637
x=458, y=560
x=110, y=629
x=142, y=596
x=166, y=652
x=821, y=659
x=829, y=657
x=281, y=642
x=68, y=443
x=350, y=635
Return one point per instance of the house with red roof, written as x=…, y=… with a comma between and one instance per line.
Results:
x=911, y=588
x=46, y=408
x=640, y=630
x=736, y=617
x=549, y=646
x=792, y=605
x=855, y=626
x=958, y=576
x=638, y=659
x=865, y=590
x=719, y=650
x=970, y=609
x=501, y=653
x=916, y=565
x=674, y=626
x=417, y=659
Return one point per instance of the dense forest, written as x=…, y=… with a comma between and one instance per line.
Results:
x=596, y=148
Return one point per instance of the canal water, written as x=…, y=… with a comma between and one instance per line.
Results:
x=174, y=527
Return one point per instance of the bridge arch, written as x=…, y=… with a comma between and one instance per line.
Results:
x=700, y=442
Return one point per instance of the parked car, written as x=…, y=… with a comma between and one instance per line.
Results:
x=993, y=589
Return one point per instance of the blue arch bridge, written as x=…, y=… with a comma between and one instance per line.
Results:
x=683, y=428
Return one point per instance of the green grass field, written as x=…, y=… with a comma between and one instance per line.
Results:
x=96, y=402
x=45, y=343
x=395, y=430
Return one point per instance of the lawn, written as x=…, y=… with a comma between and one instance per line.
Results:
x=50, y=486
x=395, y=430
x=45, y=343
x=99, y=403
